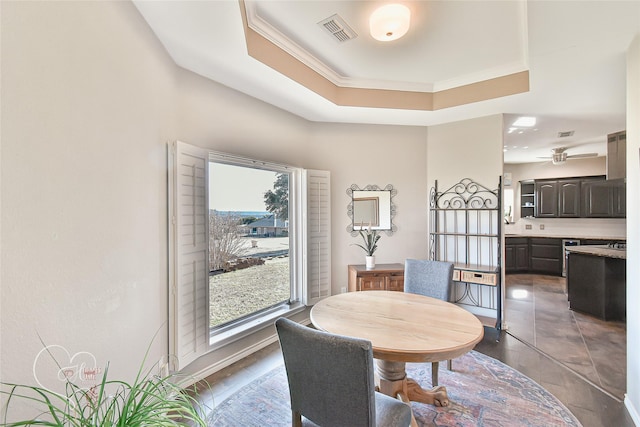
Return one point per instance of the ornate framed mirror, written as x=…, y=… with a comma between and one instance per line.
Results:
x=373, y=207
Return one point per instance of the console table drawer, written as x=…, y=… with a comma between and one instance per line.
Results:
x=383, y=277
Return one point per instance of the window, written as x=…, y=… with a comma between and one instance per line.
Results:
x=508, y=205
x=249, y=256
x=215, y=235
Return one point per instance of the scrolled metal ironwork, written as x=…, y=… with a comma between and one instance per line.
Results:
x=372, y=187
x=466, y=194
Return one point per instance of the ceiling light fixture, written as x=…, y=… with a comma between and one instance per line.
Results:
x=389, y=22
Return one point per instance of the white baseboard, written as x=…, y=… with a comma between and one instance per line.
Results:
x=632, y=410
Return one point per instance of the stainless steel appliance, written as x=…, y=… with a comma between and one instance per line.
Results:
x=565, y=243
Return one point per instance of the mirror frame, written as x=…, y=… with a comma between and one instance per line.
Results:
x=392, y=207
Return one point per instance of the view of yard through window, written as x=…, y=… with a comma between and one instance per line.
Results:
x=242, y=292
x=249, y=242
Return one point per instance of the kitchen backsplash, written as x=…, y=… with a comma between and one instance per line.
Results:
x=570, y=227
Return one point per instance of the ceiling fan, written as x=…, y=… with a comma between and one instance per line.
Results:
x=559, y=155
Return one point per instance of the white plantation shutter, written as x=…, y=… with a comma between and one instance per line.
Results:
x=318, y=236
x=188, y=251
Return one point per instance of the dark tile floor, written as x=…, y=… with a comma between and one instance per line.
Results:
x=592, y=391
x=537, y=312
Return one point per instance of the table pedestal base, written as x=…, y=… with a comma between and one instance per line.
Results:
x=392, y=381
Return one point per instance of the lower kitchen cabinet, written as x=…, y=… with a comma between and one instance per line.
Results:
x=516, y=254
x=533, y=254
x=546, y=255
x=597, y=285
x=383, y=277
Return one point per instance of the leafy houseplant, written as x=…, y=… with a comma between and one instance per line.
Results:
x=370, y=240
x=370, y=244
x=151, y=400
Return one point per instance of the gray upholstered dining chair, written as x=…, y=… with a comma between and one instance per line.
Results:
x=433, y=279
x=331, y=380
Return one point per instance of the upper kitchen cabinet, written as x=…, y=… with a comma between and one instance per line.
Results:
x=546, y=199
x=569, y=198
x=617, y=155
x=604, y=199
x=619, y=198
x=557, y=198
x=584, y=197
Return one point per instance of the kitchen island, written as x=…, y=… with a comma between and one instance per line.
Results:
x=596, y=280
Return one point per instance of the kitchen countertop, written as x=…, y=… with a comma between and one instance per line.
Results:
x=598, y=250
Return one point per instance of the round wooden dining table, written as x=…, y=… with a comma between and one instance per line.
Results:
x=402, y=327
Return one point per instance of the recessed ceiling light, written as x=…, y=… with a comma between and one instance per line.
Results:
x=505, y=150
x=525, y=122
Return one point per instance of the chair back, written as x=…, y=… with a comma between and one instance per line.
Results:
x=430, y=278
x=331, y=380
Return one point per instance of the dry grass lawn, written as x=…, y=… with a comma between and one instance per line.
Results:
x=241, y=292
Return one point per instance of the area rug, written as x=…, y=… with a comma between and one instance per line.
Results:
x=482, y=392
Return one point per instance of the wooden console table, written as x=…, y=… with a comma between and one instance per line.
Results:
x=383, y=277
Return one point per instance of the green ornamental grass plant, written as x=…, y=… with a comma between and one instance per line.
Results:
x=370, y=240
x=150, y=400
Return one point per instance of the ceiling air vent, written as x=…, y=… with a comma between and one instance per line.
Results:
x=565, y=134
x=338, y=29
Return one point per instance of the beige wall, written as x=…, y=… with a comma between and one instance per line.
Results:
x=87, y=104
x=466, y=149
x=377, y=155
x=542, y=170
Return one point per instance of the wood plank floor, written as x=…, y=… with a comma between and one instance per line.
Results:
x=588, y=378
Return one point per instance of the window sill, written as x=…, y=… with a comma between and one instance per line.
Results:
x=219, y=339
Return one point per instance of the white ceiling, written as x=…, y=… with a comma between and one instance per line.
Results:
x=574, y=51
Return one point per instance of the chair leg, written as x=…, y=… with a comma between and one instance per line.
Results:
x=450, y=365
x=296, y=419
x=434, y=373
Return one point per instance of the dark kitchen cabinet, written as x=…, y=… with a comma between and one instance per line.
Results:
x=597, y=285
x=546, y=199
x=546, y=255
x=604, y=199
x=569, y=198
x=558, y=198
x=617, y=155
x=619, y=209
x=516, y=254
